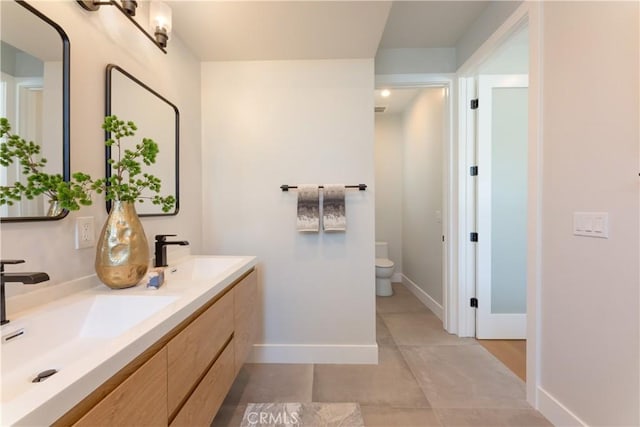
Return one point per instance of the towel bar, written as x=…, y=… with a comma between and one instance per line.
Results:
x=360, y=187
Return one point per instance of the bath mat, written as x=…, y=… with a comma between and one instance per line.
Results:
x=302, y=415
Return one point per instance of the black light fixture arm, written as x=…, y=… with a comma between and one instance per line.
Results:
x=93, y=5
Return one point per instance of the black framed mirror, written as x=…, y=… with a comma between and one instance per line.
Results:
x=156, y=118
x=34, y=97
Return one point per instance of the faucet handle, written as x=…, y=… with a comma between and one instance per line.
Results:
x=163, y=237
x=9, y=261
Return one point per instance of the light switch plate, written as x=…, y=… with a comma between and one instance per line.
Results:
x=591, y=224
x=85, y=232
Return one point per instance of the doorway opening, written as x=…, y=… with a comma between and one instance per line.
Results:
x=413, y=142
x=496, y=209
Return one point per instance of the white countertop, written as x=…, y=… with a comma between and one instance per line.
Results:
x=43, y=403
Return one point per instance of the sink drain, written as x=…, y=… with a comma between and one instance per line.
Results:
x=44, y=375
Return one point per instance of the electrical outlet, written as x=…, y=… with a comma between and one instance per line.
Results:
x=85, y=232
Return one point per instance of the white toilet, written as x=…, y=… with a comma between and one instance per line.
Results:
x=384, y=270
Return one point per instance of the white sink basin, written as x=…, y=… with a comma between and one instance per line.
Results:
x=56, y=337
x=203, y=268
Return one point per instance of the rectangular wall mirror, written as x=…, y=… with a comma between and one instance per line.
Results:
x=34, y=97
x=156, y=118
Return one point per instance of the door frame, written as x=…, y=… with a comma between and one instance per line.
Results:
x=529, y=13
x=449, y=205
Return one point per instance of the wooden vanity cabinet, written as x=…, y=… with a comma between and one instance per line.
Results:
x=192, y=351
x=183, y=379
x=245, y=318
x=140, y=400
x=206, y=399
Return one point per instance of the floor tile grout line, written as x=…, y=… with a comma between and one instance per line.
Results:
x=406, y=363
x=415, y=377
x=395, y=344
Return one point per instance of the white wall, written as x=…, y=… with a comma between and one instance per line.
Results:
x=52, y=116
x=486, y=24
x=97, y=39
x=268, y=123
x=415, y=60
x=512, y=57
x=422, y=192
x=389, y=184
x=589, y=296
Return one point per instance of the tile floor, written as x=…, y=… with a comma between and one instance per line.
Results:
x=425, y=377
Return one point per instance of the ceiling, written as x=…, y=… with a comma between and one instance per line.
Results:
x=428, y=24
x=273, y=30
x=398, y=101
x=290, y=30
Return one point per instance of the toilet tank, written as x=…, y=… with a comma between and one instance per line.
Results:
x=382, y=250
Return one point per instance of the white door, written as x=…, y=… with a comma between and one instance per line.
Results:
x=502, y=207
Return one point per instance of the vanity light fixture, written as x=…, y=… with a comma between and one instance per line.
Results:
x=160, y=18
x=128, y=9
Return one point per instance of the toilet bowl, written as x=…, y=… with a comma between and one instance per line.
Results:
x=384, y=270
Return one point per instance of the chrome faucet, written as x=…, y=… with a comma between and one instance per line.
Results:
x=25, y=278
x=161, y=248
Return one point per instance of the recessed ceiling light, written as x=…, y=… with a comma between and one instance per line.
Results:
x=385, y=93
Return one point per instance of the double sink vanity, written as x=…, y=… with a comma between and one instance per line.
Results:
x=79, y=353
x=134, y=356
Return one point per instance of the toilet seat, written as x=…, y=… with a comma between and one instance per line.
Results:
x=384, y=262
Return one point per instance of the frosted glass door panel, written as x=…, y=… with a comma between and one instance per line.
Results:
x=509, y=200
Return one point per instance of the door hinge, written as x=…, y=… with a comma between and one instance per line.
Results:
x=474, y=104
x=473, y=171
x=473, y=237
x=474, y=302
x=443, y=238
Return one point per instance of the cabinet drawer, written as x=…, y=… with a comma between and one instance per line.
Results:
x=192, y=350
x=206, y=399
x=246, y=317
x=140, y=400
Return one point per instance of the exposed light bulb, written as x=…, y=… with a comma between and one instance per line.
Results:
x=385, y=93
x=160, y=14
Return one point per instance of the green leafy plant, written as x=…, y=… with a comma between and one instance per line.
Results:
x=27, y=154
x=126, y=183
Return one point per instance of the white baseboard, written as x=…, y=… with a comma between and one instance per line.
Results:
x=314, y=353
x=424, y=297
x=555, y=411
x=396, y=278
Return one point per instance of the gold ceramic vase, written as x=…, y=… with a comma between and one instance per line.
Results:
x=55, y=208
x=122, y=255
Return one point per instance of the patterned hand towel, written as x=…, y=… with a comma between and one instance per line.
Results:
x=308, y=209
x=333, y=209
